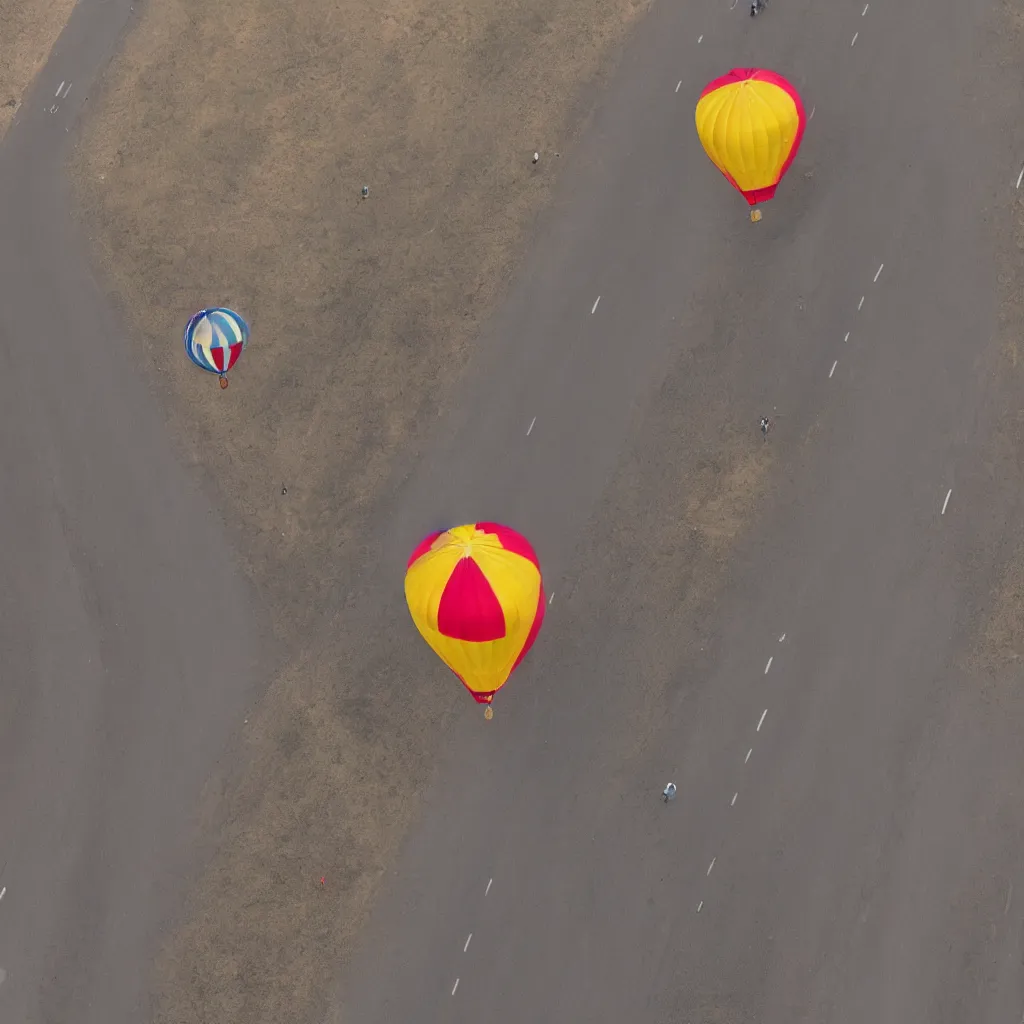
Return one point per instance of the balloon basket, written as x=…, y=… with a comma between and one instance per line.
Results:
x=488, y=712
x=755, y=216
x=223, y=383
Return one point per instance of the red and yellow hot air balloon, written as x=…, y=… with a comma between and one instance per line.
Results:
x=750, y=123
x=475, y=593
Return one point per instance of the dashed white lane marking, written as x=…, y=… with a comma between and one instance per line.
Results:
x=860, y=304
x=488, y=889
x=701, y=905
x=680, y=85
x=854, y=39
x=813, y=109
x=466, y=946
x=781, y=638
x=593, y=308
x=847, y=337
x=865, y=11
x=455, y=986
x=769, y=665
x=833, y=370
x=529, y=429
x=759, y=724
x=878, y=272
x=711, y=865
x=946, y=502
x=747, y=758
x=550, y=599
x=700, y=39
x=59, y=87
x=2, y=892
x=1020, y=177
x=732, y=803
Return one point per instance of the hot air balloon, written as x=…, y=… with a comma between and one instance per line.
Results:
x=750, y=123
x=476, y=595
x=215, y=339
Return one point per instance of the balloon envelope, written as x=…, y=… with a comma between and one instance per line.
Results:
x=476, y=595
x=215, y=339
x=751, y=122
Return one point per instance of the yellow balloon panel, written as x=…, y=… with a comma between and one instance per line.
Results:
x=750, y=123
x=476, y=596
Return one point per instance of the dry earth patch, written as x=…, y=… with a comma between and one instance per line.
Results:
x=222, y=163
x=28, y=30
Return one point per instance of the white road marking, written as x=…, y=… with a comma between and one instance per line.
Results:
x=759, y=724
x=833, y=370
x=466, y=946
x=1009, y=896
x=781, y=638
x=847, y=338
x=529, y=429
x=550, y=599
x=488, y=889
x=860, y=304
x=732, y=803
x=878, y=272
x=59, y=87
x=1020, y=177
x=747, y=758
x=854, y=40
x=813, y=109
x=455, y=986
x=701, y=904
x=769, y=665
x=711, y=865
x=865, y=11
x=66, y=91
x=2, y=892
x=680, y=85
x=700, y=40
x=946, y=502
x=593, y=308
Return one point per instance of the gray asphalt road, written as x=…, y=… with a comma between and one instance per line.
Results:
x=127, y=639
x=845, y=842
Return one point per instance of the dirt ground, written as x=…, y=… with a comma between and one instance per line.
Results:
x=222, y=164
x=997, y=655
x=1000, y=647
x=28, y=30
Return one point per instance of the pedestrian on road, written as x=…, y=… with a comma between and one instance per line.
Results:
x=766, y=425
x=669, y=792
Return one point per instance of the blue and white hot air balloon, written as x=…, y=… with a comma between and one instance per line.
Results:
x=215, y=339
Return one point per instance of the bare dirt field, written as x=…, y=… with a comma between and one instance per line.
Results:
x=28, y=30
x=1000, y=647
x=222, y=164
x=997, y=655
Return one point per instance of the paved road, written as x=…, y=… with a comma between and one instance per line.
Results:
x=126, y=636
x=845, y=842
